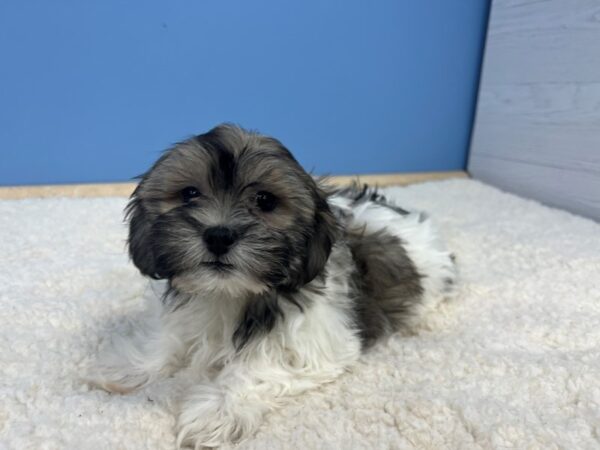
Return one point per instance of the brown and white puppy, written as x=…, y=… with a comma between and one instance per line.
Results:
x=275, y=284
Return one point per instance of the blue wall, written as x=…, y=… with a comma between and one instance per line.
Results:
x=91, y=91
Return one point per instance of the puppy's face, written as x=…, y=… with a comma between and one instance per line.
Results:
x=232, y=212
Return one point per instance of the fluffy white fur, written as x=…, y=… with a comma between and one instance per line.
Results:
x=512, y=362
x=230, y=391
x=421, y=241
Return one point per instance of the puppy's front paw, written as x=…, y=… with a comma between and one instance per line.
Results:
x=210, y=417
x=115, y=376
x=117, y=368
x=115, y=382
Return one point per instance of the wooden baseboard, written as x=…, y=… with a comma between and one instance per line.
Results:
x=125, y=189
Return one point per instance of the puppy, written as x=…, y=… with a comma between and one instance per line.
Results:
x=275, y=284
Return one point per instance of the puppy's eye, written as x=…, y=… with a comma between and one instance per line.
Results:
x=189, y=193
x=266, y=201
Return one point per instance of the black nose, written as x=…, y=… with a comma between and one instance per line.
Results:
x=219, y=239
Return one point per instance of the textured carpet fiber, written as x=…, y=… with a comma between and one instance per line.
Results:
x=513, y=361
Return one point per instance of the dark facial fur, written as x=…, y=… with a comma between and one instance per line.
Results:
x=216, y=235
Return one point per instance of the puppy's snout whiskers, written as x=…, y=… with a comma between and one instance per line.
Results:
x=219, y=239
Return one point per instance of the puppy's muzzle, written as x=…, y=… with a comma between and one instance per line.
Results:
x=219, y=239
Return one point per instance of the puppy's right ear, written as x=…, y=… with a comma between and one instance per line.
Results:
x=140, y=242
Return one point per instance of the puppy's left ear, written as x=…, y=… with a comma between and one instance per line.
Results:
x=140, y=242
x=324, y=234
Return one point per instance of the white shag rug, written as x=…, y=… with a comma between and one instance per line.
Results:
x=512, y=362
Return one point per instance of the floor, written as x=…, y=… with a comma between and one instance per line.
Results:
x=512, y=362
x=125, y=189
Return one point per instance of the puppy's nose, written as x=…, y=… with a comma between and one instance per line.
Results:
x=219, y=239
